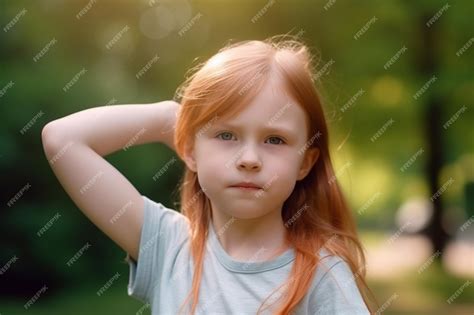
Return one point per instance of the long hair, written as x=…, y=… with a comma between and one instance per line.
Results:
x=221, y=87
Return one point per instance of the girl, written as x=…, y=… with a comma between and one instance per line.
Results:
x=263, y=226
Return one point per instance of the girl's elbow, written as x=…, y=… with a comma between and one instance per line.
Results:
x=51, y=136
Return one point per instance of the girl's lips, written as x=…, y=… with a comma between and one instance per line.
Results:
x=246, y=187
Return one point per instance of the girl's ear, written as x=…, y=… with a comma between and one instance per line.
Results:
x=310, y=158
x=189, y=159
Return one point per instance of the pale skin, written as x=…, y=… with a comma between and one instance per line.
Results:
x=76, y=144
x=249, y=223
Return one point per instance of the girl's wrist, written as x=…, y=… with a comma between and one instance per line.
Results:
x=166, y=121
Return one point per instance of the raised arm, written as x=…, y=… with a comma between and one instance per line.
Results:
x=75, y=146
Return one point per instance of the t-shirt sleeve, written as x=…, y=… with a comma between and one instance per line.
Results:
x=163, y=229
x=337, y=293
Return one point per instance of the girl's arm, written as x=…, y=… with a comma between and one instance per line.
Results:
x=75, y=146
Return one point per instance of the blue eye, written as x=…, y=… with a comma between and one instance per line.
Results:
x=224, y=133
x=228, y=136
x=278, y=138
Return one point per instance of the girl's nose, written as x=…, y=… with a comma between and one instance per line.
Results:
x=249, y=160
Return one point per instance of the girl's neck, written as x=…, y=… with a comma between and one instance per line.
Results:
x=252, y=239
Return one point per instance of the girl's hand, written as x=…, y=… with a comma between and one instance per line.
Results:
x=167, y=135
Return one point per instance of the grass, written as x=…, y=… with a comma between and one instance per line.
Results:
x=424, y=294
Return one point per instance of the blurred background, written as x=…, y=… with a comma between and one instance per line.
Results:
x=397, y=83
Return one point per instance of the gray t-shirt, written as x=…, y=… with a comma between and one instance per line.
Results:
x=162, y=276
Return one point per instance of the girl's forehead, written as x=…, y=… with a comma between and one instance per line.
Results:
x=270, y=110
x=266, y=113
x=271, y=104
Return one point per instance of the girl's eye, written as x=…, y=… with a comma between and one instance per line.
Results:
x=277, y=138
x=226, y=134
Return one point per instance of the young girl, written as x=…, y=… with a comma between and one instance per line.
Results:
x=263, y=226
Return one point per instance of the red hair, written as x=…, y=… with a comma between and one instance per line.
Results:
x=221, y=87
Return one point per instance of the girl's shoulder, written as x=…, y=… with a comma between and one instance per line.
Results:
x=327, y=260
x=334, y=289
x=163, y=226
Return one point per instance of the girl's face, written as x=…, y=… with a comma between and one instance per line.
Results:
x=264, y=144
